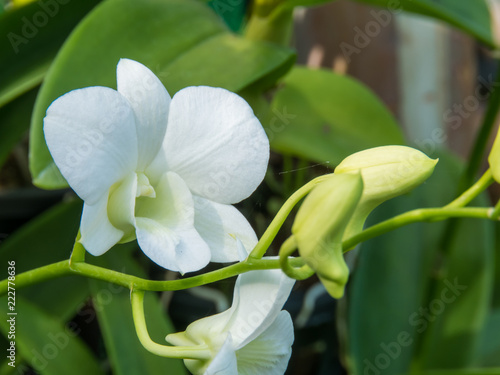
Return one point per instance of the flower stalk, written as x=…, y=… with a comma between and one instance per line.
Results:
x=189, y=352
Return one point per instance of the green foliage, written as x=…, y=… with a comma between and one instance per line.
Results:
x=232, y=12
x=16, y=117
x=51, y=347
x=46, y=239
x=490, y=342
x=472, y=17
x=31, y=37
x=402, y=280
x=323, y=116
x=112, y=305
x=196, y=49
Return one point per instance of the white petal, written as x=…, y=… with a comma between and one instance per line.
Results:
x=221, y=225
x=182, y=251
x=224, y=363
x=92, y=138
x=121, y=206
x=270, y=352
x=216, y=144
x=98, y=234
x=258, y=298
x=173, y=204
x=150, y=101
x=165, y=227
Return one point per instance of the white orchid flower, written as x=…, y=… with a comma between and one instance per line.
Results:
x=253, y=337
x=162, y=170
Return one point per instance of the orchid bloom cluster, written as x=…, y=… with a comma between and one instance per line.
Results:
x=162, y=170
x=166, y=171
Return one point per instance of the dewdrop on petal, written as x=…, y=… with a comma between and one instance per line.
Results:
x=319, y=227
x=387, y=172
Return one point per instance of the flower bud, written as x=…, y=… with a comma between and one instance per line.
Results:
x=494, y=158
x=319, y=226
x=387, y=172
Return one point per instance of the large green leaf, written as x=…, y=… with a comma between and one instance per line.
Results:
x=490, y=341
x=394, y=317
x=387, y=286
x=30, y=37
x=46, y=343
x=461, y=297
x=323, y=116
x=47, y=239
x=471, y=16
x=16, y=117
x=184, y=43
x=113, y=309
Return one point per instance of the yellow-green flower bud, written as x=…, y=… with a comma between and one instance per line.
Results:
x=319, y=226
x=494, y=158
x=387, y=172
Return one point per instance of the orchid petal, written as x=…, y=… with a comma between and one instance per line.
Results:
x=98, y=234
x=150, y=101
x=165, y=227
x=173, y=205
x=221, y=226
x=270, y=352
x=216, y=144
x=224, y=363
x=258, y=298
x=92, y=138
x=203, y=331
x=170, y=249
x=121, y=206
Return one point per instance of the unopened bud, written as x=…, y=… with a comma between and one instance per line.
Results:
x=387, y=171
x=319, y=226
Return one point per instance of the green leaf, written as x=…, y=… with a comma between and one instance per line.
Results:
x=490, y=341
x=184, y=44
x=479, y=371
x=47, y=239
x=30, y=37
x=323, y=116
x=453, y=339
x=304, y=3
x=16, y=117
x=262, y=60
x=472, y=17
x=233, y=13
x=50, y=347
x=387, y=286
x=113, y=308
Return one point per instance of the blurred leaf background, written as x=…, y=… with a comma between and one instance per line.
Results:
x=326, y=79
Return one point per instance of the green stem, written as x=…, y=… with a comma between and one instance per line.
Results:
x=471, y=193
x=287, y=249
x=423, y=214
x=200, y=352
x=271, y=232
x=482, y=138
x=270, y=22
x=78, y=253
x=37, y=275
x=495, y=214
x=132, y=282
